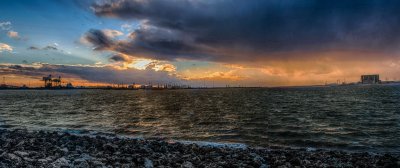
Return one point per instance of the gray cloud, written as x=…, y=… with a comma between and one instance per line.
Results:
x=50, y=48
x=105, y=74
x=255, y=29
x=146, y=42
x=119, y=58
x=32, y=48
x=99, y=39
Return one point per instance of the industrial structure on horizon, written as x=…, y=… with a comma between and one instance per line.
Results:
x=370, y=79
x=50, y=82
x=57, y=83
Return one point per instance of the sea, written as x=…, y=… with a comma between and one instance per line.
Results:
x=353, y=118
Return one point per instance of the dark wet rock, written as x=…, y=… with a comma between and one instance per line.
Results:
x=61, y=162
x=80, y=163
x=148, y=163
x=13, y=158
x=96, y=163
x=43, y=161
x=21, y=153
x=187, y=164
x=109, y=148
x=295, y=162
x=20, y=148
x=257, y=159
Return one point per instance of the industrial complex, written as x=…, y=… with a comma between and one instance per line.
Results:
x=50, y=82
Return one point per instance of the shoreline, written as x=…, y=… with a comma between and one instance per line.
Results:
x=391, y=83
x=22, y=148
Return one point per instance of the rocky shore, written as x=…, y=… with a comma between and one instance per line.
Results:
x=21, y=148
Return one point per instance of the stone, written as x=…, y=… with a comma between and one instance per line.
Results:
x=306, y=162
x=295, y=162
x=60, y=162
x=148, y=163
x=128, y=165
x=187, y=164
x=43, y=161
x=85, y=157
x=21, y=153
x=310, y=149
x=80, y=163
x=64, y=150
x=97, y=163
x=109, y=147
x=258, y=159
x=13, y=157
x=28, y=159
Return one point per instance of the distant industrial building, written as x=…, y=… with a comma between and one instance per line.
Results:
x=50, y=82
x=69, y=86
x=55, y=83
x=370, y=79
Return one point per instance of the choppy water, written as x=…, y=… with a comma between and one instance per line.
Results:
x=365, y=118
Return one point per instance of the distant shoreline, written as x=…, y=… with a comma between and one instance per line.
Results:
x=199, y=88
x=20, y=148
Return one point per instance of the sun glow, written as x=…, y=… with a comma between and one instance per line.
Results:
x=141, y=64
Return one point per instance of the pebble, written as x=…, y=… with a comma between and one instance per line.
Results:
x=80, y=163
x=187, y=164
x=61, y=162
x=13, y=157
x=148, y=163
x=21, y=154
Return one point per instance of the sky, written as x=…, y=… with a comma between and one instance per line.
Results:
x=199, y=42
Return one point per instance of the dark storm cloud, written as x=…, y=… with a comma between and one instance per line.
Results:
x=150, y=42
x=235, y=29
x=99, y=39
x=105, y=74
x=120, y=58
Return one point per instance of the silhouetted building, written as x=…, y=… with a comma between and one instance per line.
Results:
x=3, y=86
x=69, y=86
x=370, y=79
x=50, y=82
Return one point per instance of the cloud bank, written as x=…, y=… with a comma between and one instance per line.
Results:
x=236, y=30
x=100, y=74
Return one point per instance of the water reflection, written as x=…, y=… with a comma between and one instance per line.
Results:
x=355, y=118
